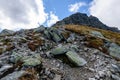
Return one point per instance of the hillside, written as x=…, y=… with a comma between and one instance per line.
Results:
x=62, y=52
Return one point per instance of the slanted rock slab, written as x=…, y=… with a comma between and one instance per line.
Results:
x=75, y=58
x=114, y=50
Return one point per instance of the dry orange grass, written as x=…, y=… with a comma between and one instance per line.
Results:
x=85, y=30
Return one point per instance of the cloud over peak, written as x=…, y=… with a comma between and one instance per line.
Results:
x=75, y=7
x=52, y=19
x=107, y=11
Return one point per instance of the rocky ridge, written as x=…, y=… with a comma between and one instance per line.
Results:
x=83, y=19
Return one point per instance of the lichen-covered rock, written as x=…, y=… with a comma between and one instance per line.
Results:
x=58, y=51
x=75, y=58
x=54, y=34
x=55, y=37
x=33, y=60
x=97, y=34
x=114, y=50
x=30, y=60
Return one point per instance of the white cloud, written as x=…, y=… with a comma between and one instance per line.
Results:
x=52, y=19
x=108, y=11
x=75, y=7
x=17, y=14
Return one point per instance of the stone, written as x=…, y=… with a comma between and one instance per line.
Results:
x=58, y=51
x=4, y=69
x=114, y=51
x=33, y=60
x=54, y=34
x=116, y=68
x=75, y=58
x=97, y=34
x=56, y=37
x=15, y=57
x=115, y=77
x=14, y=75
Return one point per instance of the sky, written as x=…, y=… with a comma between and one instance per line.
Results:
x=26, y=14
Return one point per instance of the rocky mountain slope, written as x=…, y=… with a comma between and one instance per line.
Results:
x=83, y=19
x=69, y=52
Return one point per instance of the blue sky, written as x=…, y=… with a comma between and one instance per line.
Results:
x=60, y=8
x=26, y=14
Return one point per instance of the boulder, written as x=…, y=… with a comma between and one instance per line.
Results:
x=75, y=59
x=55, y=37
x=114, y=50
x=58, y=51
x=54, y=34
x=33, y=60
x=97, y=34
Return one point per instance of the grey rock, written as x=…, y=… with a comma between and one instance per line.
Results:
x=97, y=34
x=33, y=60
x=55, y=37
x=114, y=50
x=54, y=34
x=5, y=68
x=75, y=58
x=116, y=68
x=115, y=77
x=58, y=51
x=14, y=75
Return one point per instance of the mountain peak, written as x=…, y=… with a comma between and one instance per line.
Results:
x=83, y=19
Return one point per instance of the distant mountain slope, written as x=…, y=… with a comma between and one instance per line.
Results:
x=83, y=19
